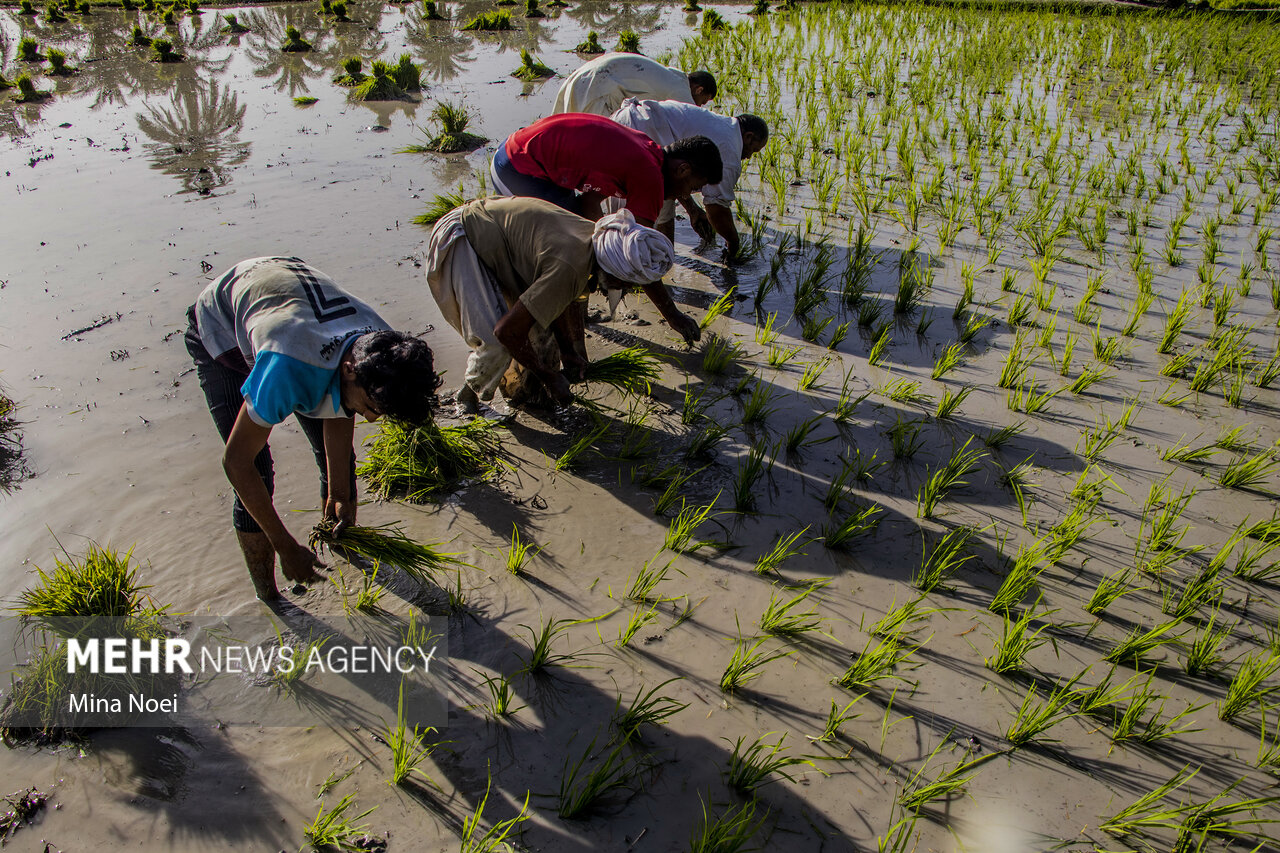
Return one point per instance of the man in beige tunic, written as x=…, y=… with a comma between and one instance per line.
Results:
x=503, y=272
x=600, y=86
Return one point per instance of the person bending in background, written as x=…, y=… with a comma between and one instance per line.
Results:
x=737, y=139
x=503, y=268
x=600, y=86
x=576, y=161
x=273, y=337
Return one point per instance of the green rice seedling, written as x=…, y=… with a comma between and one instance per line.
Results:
x=430, y=12
x=903, y=391
x=734, y=828
x=784, y=618
x=369, y=594
x=718, y=308
x=798, y=436
x=1108, y=591
x=502, y=695
x=1033, y=718
x=581, y=789
x=679, y=536
x=813, y=326
x=1246, y=473
x=451, y=133
x=878, y=661
x=632, y=370
x=305, y=100
x=747, y=661
x=639, y=618
x=997, y=439
x=750, y=768
x=836, y=717
x=860, y=522
x=406, y=75
x=1138, y=644
x=440, y=205
x=1105, y=350
x=1022, y=578
x=1267, y=374
x=385, y=544
x=944, y=560
x=1133, y=723
x=973, y=327
x=747, y=478
x=784, y=548
x=842, y=331
x=489, y=21
x=647, y=709
x=58, y=66
x=29, y=50
x=1138, y=815
x=1249, y=565
x=963, y=462
x=531, y=10
x=1203, y=589
x=1268, y=751
x=233, y=26
x=1097, y=440
x=628, y=42
x=541, y=654
x=781, y=356
x=1016, y=641
x=756, y=408
x=519, y=552
x=294, y=42
x=493, y=839
x=52, y=14
x=1216, y=818
x=1020, y=312
x=140, y=38
x=766, y=334
x=1204, y=651
x=702, y=443
x=407, y=749
x=333, y=830
x=917, y=792
x=531, y=69
x=1017, y=479
x=904, y=436
x=1229, y=439
x=1175, y=322
x=949, y=359
x=949, y=403
x=1184, y=452
x=1089, y=377
x=1248, y=687
x=1103, y=699
x=98, y=595
x=1009, y=281
x=1029, y=399
x=1016, y=363
x=903, y=621
x=881, y=338
x=574, y=455
x=161, y=51
x=643, y=587
x=809, y=379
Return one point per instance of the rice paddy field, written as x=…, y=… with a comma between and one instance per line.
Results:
x=957, y=531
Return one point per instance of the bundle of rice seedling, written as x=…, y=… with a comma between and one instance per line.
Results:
x=294, y=42
x=415, y=463
x=531, y=10
x=531, y=69
x=162, y=51
x=440, y=205
x=385, y=545
x=591, y=45
x=632, y=370
x=489, y=21
x=430, y=12
x=233, y=26
x=628, y=42
x=407, y=75
x=97, y=596
x=139, y=38
x=453, y=136
x=380, y=86
x=352, y=73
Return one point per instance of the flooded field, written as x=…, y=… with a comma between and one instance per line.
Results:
x=956, y=532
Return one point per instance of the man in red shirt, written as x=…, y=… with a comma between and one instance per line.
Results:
x=576, y=161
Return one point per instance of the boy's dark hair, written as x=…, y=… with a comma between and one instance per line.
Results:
x=397, y=371
x=706, y=80
x=748, y=123
x=701, y=154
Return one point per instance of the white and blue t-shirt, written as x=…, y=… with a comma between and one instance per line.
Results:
x=292, y=325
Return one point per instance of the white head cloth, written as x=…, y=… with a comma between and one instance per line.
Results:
x=629, y=251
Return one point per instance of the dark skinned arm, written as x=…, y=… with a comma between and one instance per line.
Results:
x=722, y=220
x=246, y=440
x=512, y=331
x=683, y=324
x=338, y=449
x=698, y=218
x=570, y=331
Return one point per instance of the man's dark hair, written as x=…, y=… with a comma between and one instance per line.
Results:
x=701, y=154
x=748, y=123
x=397, y=371
x=706, y=80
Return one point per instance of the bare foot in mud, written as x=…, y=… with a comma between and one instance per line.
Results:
x=468, y=404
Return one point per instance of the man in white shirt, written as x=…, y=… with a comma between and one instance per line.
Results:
x=737, y=138
x=600, y=86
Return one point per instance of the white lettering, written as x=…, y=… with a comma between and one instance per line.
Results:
x=175, y=654
x=115, y=650
x=152, y=654
x=78, y=655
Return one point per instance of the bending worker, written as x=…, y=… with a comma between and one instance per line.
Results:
x=737, y=138
x=600, y=86
x=599, y=158
x=270, y=338
x=503, y=268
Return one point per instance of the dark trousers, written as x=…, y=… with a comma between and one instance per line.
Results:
x=526, y=186
x=221, y=386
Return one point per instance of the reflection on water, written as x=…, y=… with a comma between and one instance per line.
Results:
x=197, y=137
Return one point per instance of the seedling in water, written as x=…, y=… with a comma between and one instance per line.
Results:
x=332, y=829
x=784, y=548
x=747, y=659
x=750, y=768
x=944, y=560
x=647, y=709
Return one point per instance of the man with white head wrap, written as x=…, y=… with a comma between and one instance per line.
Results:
x=504, y=271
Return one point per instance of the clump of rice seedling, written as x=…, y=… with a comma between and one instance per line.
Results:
x=493, y=839
x=29, y=50
x=944, y=560
x=780, y=356
x=1030, y=399
x=430, y=12
x=628, y=42
x=591, y=45
x=520, y=552
x=645, y=583
x=1016, y=641
x=502, y=695
x=878, y=661
x=541, y=655
x=233, y=27
x=997, y=439
x=639, y=618
x=294, y=42
x=718, y=354
x=631, y=370
x=340, y=13
x=1203, y=655
x=531, y=69
x=1133, y=723
x=1089, y=377
x=881, y=338
x=861, y=522
x=58, y=64
x=784, y=548
x=333, y=830
x=948, y=360
x=531, y=10
x=1034, y=719
x=407, y=748
x=812, y=373
x=139, y=38
x=748, y=658
x=1109, y=589
x=1138, y=644
x=581, y=789
x=718, y=308
x=162, y=51
x=647, y=709
x=417, y=463
x=304, y=100
x=574, y=455
x=351, y=72
x=679, y=536
x=916, y=792
x=52, y=14
x=384, y=544
x=442, y=204
x=381, y=84
x=905, y=438
x=750, y=471
x=785, y=619
x=903, y=391
x=98, y=595
x=1023, y=576
x=1248, y=687
x=949, y=403
x=489, y=21
x=813, y=327
x=751, y=768
x=731, y=831
x=962, y=462
x=1244, y=473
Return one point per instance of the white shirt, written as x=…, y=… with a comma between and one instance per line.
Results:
x=667, y=121
x=600, y=86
